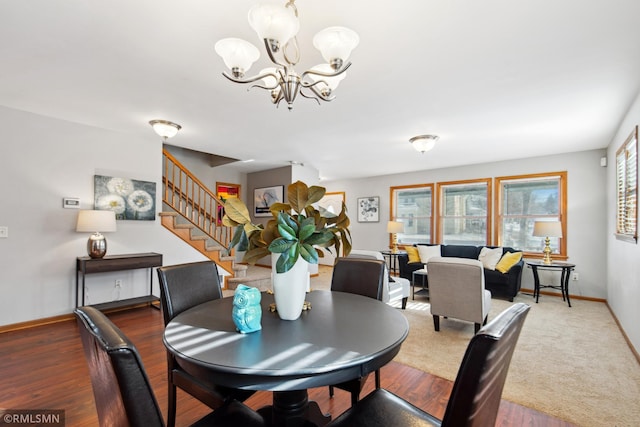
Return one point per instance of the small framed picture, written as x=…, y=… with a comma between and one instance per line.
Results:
x=369, y=209
x=263, y=198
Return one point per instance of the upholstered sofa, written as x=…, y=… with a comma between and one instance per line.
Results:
x=502, y=285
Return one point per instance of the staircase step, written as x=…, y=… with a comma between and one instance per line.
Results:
x=260, y=281
x=184, y=225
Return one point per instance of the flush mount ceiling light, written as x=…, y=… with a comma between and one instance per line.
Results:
x=165, y=128
x=277, y=26
x=423, y=143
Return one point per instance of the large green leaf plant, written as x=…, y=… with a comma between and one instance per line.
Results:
x=297, y=229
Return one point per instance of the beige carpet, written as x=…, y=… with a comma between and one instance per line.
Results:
x=572, y=363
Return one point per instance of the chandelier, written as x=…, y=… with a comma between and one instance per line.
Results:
x=277, y=26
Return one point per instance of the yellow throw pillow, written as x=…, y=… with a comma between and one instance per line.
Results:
x=412, y=251
x=508, y=260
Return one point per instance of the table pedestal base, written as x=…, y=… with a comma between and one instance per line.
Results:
x=293, y=409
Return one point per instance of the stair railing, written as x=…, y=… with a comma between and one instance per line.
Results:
x=185, y=194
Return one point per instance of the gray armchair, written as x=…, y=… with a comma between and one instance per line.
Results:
x=456, y=290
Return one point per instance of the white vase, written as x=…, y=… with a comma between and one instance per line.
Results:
x=290, y=288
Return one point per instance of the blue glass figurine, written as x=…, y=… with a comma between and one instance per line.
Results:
x=247, y=312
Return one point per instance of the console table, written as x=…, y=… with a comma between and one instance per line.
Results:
x=566, y=268
x=87, y=265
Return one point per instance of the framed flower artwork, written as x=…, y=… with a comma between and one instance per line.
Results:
x=128, y=198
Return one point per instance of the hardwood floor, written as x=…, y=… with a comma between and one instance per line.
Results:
x=44, y=368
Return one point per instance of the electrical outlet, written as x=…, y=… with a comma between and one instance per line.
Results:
x=118, y=283
x=4, y=232
x=575, y=277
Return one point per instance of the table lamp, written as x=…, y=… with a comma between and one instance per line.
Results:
x=547, y=229
x=394, y=227
x=96, y=222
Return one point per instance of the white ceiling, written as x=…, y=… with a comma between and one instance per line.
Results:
x=495, y=79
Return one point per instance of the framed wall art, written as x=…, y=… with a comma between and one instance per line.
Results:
x=128, y=198
x=369, y=209
x=331, y=204
x=225, y=191
x=263, y=198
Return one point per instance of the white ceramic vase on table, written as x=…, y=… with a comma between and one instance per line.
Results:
x=290, y=288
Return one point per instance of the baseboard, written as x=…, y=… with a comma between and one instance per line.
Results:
x=626, y=338
x=64, y=318
x=556, y=294
x=35, y=323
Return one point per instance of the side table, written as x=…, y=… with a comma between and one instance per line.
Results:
x=423, y=275
x=566, y=269
x=393, y=260
x=86, y=265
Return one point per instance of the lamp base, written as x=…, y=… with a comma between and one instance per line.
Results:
x=394, y=243
x=97, y=246
x=546, y=259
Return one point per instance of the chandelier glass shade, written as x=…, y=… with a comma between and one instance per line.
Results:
x=424, y=143
x=277, y=26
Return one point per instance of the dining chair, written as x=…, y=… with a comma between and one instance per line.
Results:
x=365, y=277
x=394, y=288
x=183, y=286
x=477, y=390
x=121, y=388
x=456, y=290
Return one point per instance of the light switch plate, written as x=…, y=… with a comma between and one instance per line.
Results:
x=4, y=232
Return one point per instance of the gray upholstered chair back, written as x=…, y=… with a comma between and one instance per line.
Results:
x=184, y=286
x=123, y=394
x=456, y=290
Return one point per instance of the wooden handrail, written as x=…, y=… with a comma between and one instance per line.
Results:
x=188, y=196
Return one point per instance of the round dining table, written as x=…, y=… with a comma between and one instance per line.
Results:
x=341, y=337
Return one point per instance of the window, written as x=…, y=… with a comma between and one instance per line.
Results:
x=464, y=212
x=524, y=199
x=412, y=205
x=627, y=188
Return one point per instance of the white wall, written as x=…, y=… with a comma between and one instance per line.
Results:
x=623, y=272
x=586, y=211
x=42, y=161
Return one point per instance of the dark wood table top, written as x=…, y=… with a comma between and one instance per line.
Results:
x=342, y=337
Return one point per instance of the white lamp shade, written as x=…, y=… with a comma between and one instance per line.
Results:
x=91, y=221
x=237, y=53
x=547, y=229
x=395, y=227
x=332, y=82
x=274, y=22
x=336, y=43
